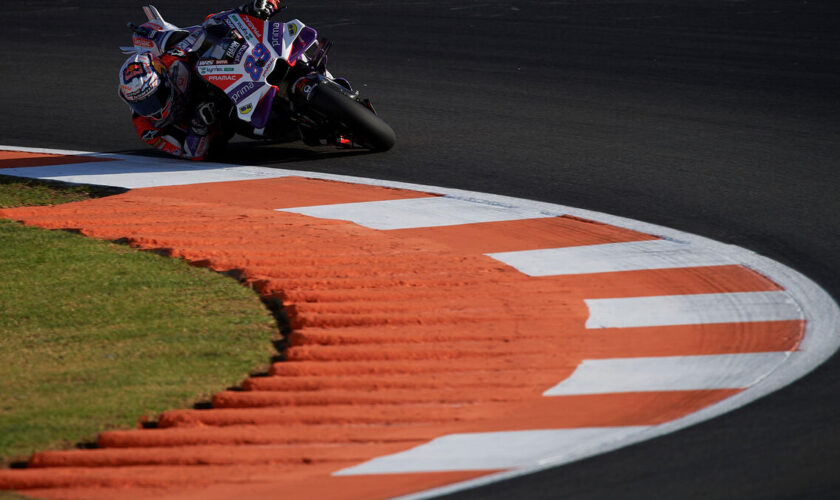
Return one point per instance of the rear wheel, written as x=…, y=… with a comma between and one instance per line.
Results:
x=352, y=119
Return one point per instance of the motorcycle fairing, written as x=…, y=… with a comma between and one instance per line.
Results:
x=290, y=40
x=242, y=75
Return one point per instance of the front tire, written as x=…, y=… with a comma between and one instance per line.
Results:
x=353, y=118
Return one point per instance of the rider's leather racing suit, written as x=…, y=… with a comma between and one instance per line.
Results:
x=181, y=133
x=192, y=127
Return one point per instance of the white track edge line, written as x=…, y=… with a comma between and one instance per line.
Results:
x=821, y=339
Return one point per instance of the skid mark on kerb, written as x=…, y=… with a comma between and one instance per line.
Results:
x=419, y=213
x=673, y=373
x=611, y=257
x=692, y=309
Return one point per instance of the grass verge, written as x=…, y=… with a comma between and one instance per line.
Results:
x=95, y=335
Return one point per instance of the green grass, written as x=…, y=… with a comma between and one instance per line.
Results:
x=11, y=495
x=18, y=192
x=95, y=335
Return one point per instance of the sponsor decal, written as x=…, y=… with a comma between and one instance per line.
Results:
x=150, y=135
x=242, y=91
x=213, y=62
x=240, y=54
x=246, y=108
x=223, y=78
x=250, y=24
x=292, y=29
x=235, y=21
x=223, y=81
x=133, y=70
x=143, y=42
x=207, y=70
x=232, y=48
x=275, y=36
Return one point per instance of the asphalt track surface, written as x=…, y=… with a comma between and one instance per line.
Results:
x=720, y=118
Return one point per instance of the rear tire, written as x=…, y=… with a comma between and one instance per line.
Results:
x=353, y=119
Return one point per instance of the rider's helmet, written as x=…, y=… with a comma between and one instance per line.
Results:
x=145, y=86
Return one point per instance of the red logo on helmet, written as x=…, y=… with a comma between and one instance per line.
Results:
x=133, y=70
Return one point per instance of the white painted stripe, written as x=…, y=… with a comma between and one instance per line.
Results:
x=490, y=450
x=691, y=309
x=610, y=257
x=23, y=149
x=139, y=172
x=671, y=373
x=420, y=212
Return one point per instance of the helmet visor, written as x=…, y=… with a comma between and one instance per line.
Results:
x=155, y=106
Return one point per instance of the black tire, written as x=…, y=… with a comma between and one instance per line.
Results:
x=353, y=118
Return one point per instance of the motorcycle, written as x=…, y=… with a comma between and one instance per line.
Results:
x=270, y=78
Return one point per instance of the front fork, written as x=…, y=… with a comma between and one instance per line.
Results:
x=304, y=86
x=312, y=124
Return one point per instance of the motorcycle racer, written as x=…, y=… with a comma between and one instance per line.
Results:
x=171, y=110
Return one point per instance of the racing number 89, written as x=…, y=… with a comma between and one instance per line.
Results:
x=260, y=53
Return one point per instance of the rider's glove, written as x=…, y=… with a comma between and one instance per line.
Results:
x=204, y=117
x=261, y=8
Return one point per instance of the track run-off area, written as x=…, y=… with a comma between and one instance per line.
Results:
x=441, y=339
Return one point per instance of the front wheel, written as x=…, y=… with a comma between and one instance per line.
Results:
x=352, y=118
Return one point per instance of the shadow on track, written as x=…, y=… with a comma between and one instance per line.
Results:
x=260, y=153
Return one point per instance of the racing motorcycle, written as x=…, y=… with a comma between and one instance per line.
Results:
x=270, y=78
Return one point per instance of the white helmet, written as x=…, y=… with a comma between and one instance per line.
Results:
x=145, y=86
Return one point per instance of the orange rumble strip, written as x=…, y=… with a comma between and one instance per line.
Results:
x=400, y=337
x=282, y=192
x=15, y=159
x=527, y=234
